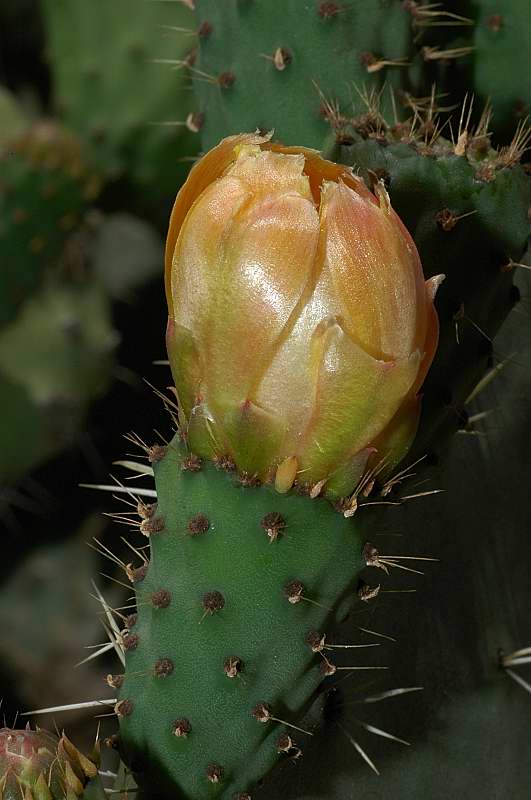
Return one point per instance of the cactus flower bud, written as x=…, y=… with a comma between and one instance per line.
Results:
x=37, y=765
x=300, y=325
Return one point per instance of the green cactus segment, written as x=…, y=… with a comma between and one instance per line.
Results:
x=502, y=43
x=239, y=575
x=111, y=90
x=468, y=215
x=54, y=359
x=294, y=58
x=45, y=187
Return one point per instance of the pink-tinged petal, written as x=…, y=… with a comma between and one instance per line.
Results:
x=432, y=286
x=202, y=174
x=198, y=261
x=356, y=396
x=376, y=272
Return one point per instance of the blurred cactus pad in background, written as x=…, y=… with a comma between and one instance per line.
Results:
x=265, y=536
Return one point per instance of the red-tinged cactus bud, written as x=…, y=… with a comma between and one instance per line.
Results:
x=38, y=765
x=300, y=325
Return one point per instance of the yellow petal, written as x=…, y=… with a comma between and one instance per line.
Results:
x=242, y=261
x=198, y=259
x=270, y=259
x=356, y=396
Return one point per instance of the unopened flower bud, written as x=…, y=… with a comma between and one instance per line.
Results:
x=300, y=325
x=37, y=765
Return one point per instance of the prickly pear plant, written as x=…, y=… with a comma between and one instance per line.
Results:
x=38, y=765
x=46, y=186
x=254, y=554
x=300, y=333
x=118, y=72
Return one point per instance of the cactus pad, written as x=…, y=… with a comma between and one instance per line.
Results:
x=220, y=662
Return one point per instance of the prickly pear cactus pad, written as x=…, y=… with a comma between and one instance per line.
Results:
x=292, y=55
x=229, y=643
x=296, y=387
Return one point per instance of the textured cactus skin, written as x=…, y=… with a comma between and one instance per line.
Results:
x=55, y=358
x=258, y=624
x=474, y=253
x=45, y=187
x=110, y=91
x=324, y=50
x=502, y=42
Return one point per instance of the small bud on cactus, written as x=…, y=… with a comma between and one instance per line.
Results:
x=37, y=765
x=300, y=326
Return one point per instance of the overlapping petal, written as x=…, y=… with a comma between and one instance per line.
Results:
x=301, y=327
x=376, y=273
x=355, y=397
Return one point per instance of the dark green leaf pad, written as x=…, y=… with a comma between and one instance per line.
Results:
x=238, y=576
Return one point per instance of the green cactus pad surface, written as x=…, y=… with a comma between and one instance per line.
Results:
x=502, y=43
x=217, y=663
x=300, y=59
